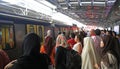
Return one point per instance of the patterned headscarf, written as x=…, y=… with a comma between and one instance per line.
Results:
x=61, y=41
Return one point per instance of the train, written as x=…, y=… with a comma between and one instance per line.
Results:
x=13, y=29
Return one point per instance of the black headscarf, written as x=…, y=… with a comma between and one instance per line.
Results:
x=32, y=58
x=31, y=45
x=116, y=47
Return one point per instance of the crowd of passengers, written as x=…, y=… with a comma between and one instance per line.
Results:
x=96, y=49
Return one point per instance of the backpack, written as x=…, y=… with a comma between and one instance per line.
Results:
x=112, y=62
x=73, y=60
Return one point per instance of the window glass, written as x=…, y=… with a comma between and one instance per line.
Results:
x=6, y=37
x=31, y=28
x=38, y=29
x=40, y=32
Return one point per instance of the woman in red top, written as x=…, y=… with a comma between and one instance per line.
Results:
x=71, y=41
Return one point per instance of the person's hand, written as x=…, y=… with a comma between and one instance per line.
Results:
x=9, y=65
x=96, y=66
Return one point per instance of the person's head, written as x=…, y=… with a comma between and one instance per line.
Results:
x=61, y=41
x=78, y=38
x=97, y=32
x=59, y=32
x=92, y=32
x=106, y=43
x=64, y=33
x=31, y=44
x=49, y=33
x=114, y=33
x=109, y=33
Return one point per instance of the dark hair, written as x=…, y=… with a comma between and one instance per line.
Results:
x=112, y=45
x=59, y=32
x=97, y=32
x=108, y=41
x=110, y=33
x=104, y=31
x=114, y=33
x=80, y=37
x=72, y=35
x=64, y=33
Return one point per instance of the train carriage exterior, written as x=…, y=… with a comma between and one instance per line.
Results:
x=13, y=29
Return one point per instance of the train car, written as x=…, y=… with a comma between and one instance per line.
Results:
x=13, y=29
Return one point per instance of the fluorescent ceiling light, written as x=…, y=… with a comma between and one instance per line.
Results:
x=73, y=2
x=64, y=7
x=101, y=28
x=85, y=3
x=94, y=3
x=111, y=1
x=99, y=3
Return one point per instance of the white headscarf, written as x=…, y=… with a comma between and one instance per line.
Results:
x=49, y=33
x=89, y=58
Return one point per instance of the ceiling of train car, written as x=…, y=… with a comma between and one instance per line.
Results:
x=90, y=12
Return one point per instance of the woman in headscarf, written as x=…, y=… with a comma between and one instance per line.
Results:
x=89, y=58
x=109, y=56
x=60, y=56
x=48, y=45
x=61, y=41
x=31, y=58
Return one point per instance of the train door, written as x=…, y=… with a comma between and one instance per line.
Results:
x=40, y=32
x=7, y=39
x=38, y=29
x=31, y=28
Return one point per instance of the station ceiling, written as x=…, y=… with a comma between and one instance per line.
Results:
x=91, y=12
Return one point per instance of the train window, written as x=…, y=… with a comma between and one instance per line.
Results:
x=6, y=37
x=40, y=32
x=36, y=29
x=31, y=28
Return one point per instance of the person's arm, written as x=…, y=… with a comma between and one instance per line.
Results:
x=80, y=49
x=9, y=65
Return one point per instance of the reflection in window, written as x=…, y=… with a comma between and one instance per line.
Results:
x=6, y=37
